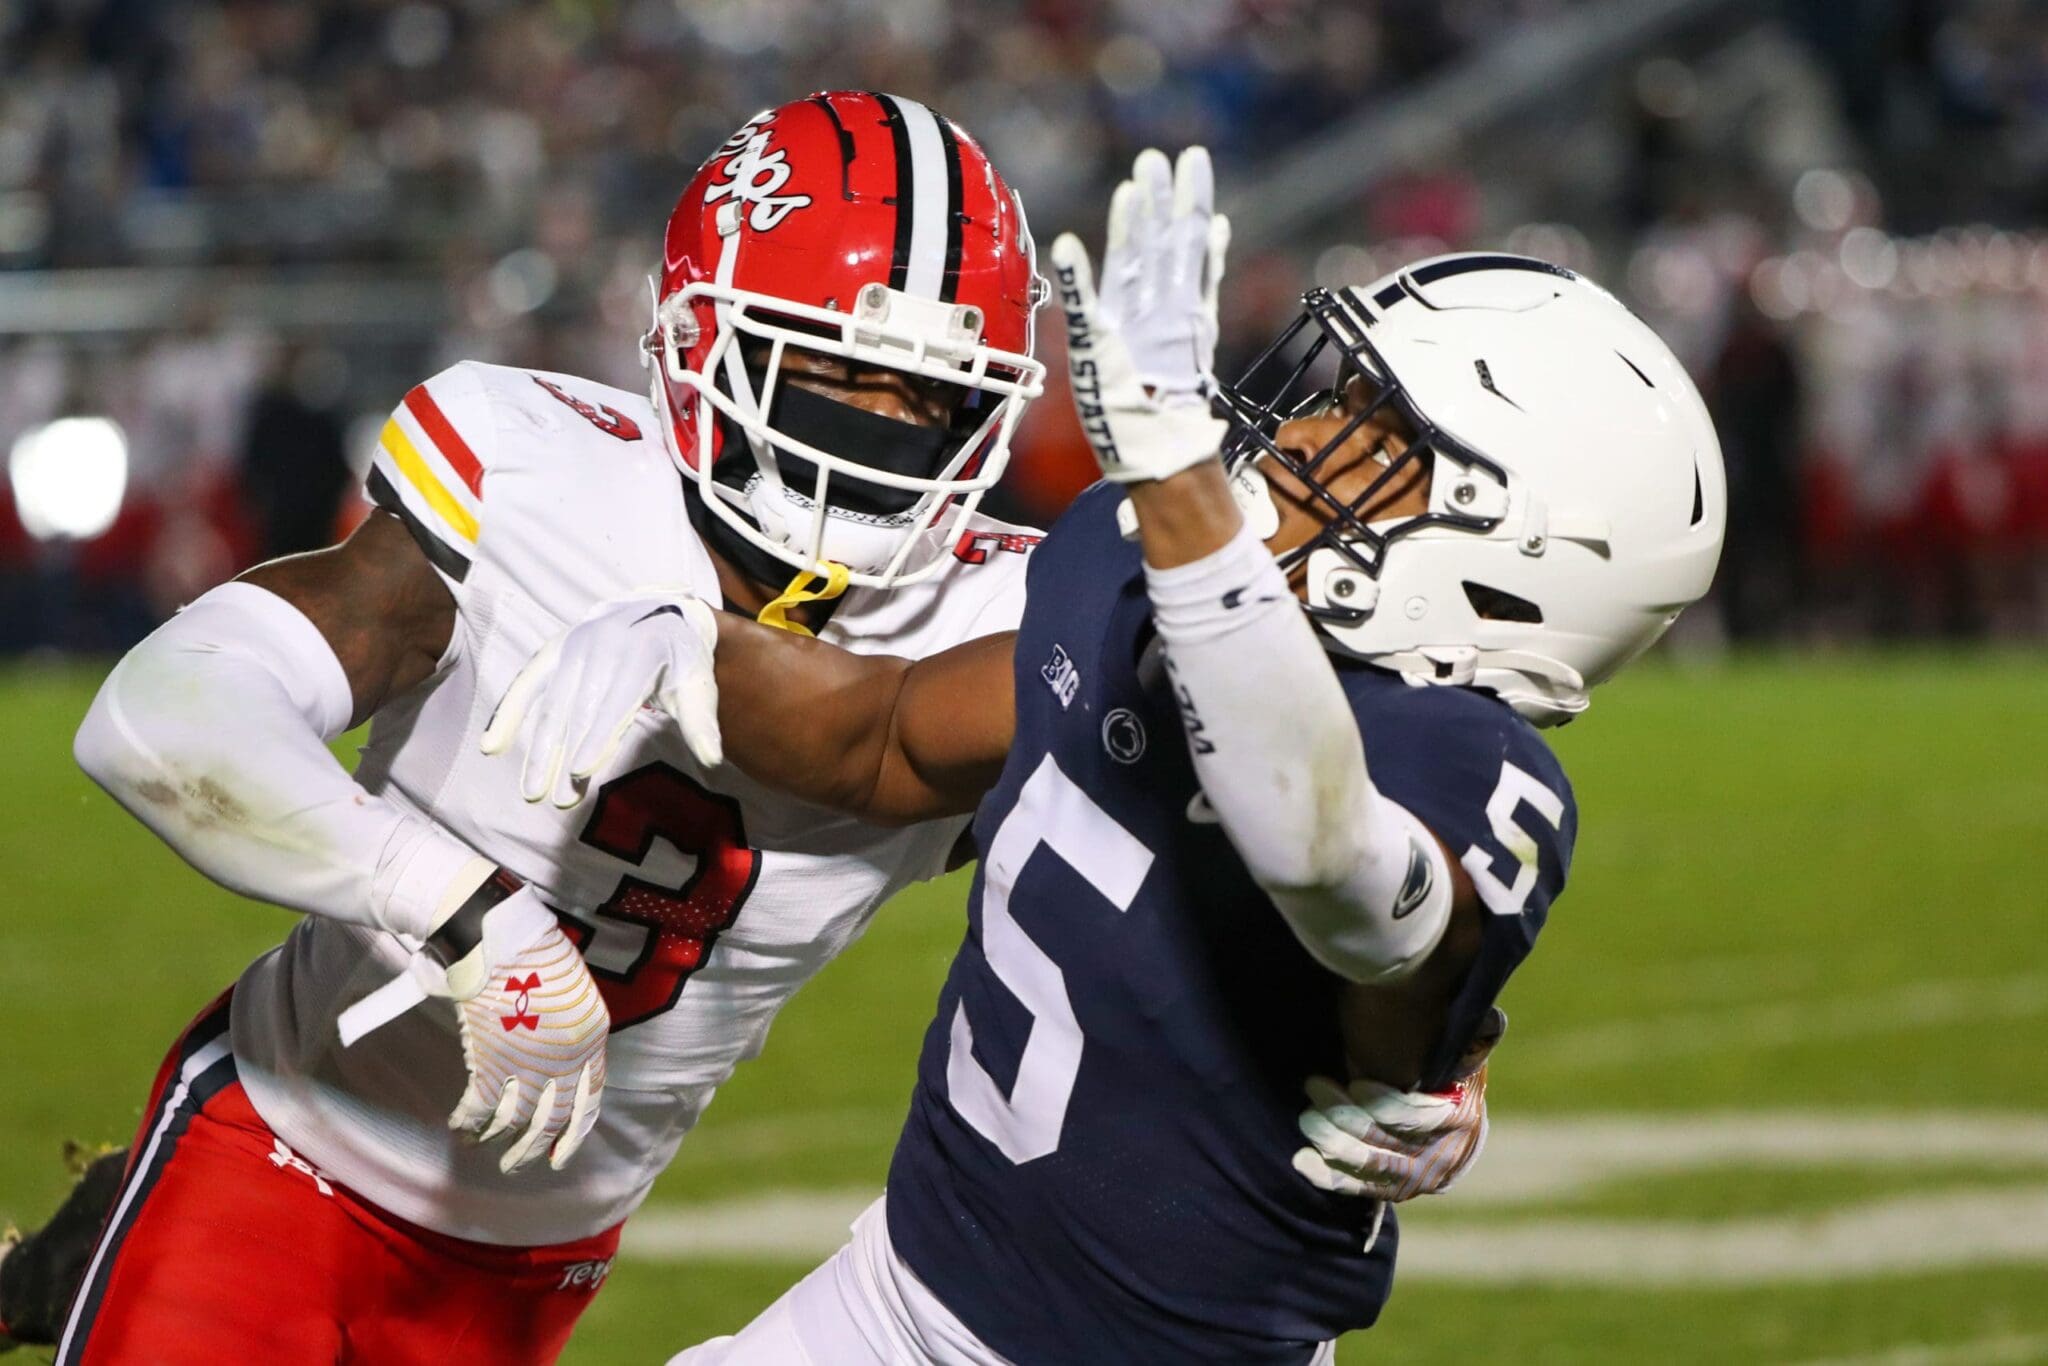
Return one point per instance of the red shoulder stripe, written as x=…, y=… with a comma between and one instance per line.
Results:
x=446, y=439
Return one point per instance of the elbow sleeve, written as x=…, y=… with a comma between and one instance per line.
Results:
x=1361, y=881
x=1389, y=910
x=212, y=732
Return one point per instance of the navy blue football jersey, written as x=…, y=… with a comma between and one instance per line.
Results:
x=1096, y=1163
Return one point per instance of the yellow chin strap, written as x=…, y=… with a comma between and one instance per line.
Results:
x=798, y=593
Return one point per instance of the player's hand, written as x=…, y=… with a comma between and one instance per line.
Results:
x=1372, y=1140
x=534, y=1029
x=533, y=1024
x=1140, y=353
x=587, y=686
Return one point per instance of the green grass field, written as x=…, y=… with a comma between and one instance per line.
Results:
x=1806, y=902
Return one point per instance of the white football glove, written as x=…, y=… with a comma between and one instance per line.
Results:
x=592, y=681
x=533, y=1024
x=1140, y=354
x=1373, y=1140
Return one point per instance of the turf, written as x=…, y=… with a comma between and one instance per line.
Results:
x=1800, y=884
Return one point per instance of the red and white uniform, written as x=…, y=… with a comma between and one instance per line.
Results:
x=316, y=1272
x=702, y=900
x=852, y=224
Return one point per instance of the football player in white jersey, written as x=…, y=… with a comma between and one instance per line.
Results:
x=840, y=351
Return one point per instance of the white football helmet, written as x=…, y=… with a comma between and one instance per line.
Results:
x=1577, y=499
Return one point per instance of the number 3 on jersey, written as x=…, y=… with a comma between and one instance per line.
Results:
x=648, y=938
x=1051, y=813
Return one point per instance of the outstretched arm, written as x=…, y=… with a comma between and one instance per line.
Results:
x=1367, y=889
x=212, y=732
x=891, y=740
x=1364, y=885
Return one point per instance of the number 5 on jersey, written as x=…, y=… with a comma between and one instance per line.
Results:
x=1517, y=845
x=1051, y=813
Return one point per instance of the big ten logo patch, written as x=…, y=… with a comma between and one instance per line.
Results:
x=1061, y=675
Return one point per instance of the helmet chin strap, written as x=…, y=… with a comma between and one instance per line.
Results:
x=759, y=566
x=1544, y=691
x=799, y=592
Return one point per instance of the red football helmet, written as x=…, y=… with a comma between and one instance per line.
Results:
x=867, y=227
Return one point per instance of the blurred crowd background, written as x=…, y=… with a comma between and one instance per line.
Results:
x=232, y=232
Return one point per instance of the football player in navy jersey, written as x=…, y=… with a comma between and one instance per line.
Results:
x=1263, y=801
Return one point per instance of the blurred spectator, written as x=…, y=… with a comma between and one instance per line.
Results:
x=1782, y=193
x=1754, y=395
x=294, y=469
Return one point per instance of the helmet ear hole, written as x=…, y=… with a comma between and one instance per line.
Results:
x=1494, y=604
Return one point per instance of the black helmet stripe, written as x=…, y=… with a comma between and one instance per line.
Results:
x=1466, y=264
x=927, y=181
x=949, y=285
x=824, y=102
x=905, y=196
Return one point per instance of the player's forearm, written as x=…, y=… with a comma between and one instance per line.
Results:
x=1279, y=756
x=805, y=718
x=212, y=732
x=1185, y=516
x=890, y=740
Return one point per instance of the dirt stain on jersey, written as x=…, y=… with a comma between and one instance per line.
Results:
x=205, y=804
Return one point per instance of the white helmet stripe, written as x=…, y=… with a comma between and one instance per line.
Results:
x=922, y=193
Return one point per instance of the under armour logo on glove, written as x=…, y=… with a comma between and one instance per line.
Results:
x=543, y=1086
x=522, y=1000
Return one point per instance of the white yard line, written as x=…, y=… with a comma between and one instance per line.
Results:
x=1541, y=1157
x=1995, y=1351
x=1606, y=1046
x=2006, y=1226
x=1920, y=1005
x=1918, y=1233
x=1616, y=1043
x=1532, y=1158
x=1544, y=1158
x=778, y=1226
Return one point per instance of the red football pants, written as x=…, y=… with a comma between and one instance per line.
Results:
x=225, y=1246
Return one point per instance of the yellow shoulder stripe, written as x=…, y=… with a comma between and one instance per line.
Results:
x=407, y=457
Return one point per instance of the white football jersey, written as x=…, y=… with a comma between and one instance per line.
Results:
x=701, y=900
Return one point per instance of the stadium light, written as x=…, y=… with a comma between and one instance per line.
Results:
x=68, y=477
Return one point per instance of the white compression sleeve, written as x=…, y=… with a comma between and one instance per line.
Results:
x=1361, y=881
x=212, y=733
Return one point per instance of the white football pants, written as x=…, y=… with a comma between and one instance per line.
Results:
x=863, y=1307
